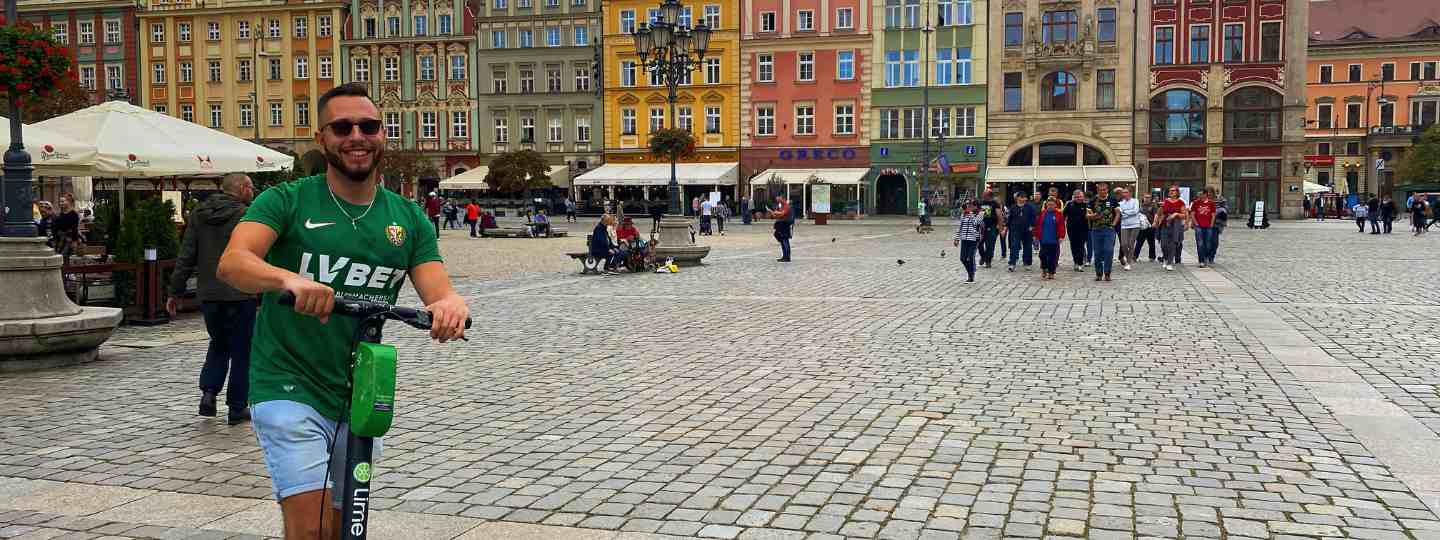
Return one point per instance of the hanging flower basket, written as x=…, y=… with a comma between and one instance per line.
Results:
x=31, y=63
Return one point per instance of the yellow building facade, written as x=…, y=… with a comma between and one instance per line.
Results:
x=635, y=104
x=251, y=68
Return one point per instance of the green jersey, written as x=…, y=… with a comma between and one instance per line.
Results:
x=294, y=357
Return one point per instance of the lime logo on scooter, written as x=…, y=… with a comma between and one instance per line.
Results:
x=362, y=472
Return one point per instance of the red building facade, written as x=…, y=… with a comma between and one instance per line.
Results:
x=100, y=35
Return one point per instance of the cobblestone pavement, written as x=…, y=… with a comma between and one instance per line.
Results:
x=843, y=395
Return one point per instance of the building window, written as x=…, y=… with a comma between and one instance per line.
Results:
x=712, y=119
x=458, y=68
x=910, y=123
x=805, y=21
x=87, y=33
x=963, y=65
x=627, y=121
x=845, y=65
x=1430, y=70
x=627, y=21
x=939, y=122
x=361, y=69
x=302, y=67
x=273, y=29
x=1387, y=114
x=302, y=26
x=217, y=115
x=1424, y=112
x=686, y=118
x=527, y=129
x=444, y=26
x=1012, y=92
x=527, y=39
x=582, y=36
x=212, y=31
x=1352, y=149
x=527, y=81
x=1355, y=74
x=114, y=77
x=187, y=112
x=422, y=26
x=242, y=29
x=459, y=124
x=765, y=68
x=392, y=27
x=1058, y=92
x=322, y=26
x=1270, y=42
x=806, y=71
x=326, y=67
x=390, y=68
x=1059, y=26
x=497, y=39
x=1014, y=29
x=1322, y=149
x=1252, y=114
x=392, y=125
x=157, y=73
x=1106, y=30
x=247, y=115
x=1234, y=43
x=912, y=67
x=1414, y=71
x=87, y=77
x=1177, y=117
x=557, y=130
x=657, y=119
x=61, y=32
x=944, y=67
x=182, y=32
x=804, y=119
x=1327, y=74
x=1200, y=44
x=243, y=70
x=187, y=72
x=1387, y=72
x=1105, y=89
x=112, y=31
x=767, y=21
x=499, y=4
x=582, y=79
x=428, y=125
x=912, y=13
x=214, y=68
x=964, y=122
x=582, y=129
x=892, y=13
x=764, y=120
x=712, y=16
x=552, y=37
x=1164, y=46
x=1325, y=116
x=302, y=113
x=845, y=19
x=712, y=71
x=627, y=73
x=889, y=123
x=369, y=25
x=844, y=119
x=427, y=68
x=277, y=114
x=502, y=130
x=274, y=70
x=1352, y=115
x=552, y=80
x=157, y=33
x=497, y=82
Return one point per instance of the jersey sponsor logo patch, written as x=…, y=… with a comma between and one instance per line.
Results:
x=350, y=273
x=312, y=225
x=396, y=234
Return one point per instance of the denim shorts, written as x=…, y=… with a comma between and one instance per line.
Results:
x=297, y=442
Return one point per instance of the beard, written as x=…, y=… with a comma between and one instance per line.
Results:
x=358, y=173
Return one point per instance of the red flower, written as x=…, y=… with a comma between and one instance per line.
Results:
x=23, y=87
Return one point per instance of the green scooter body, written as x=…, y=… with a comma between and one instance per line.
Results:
x=372, y=399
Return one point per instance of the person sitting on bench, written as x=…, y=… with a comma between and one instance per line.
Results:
x=539, y=224
x=601, y=247
x=487, y=221
x=627, y=230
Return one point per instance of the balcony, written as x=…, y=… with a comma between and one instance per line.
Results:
x=1397, y=136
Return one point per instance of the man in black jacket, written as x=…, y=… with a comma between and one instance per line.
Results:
x=1373, y=207
x=229, y=314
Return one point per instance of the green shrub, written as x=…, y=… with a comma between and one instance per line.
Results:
x=147, y=224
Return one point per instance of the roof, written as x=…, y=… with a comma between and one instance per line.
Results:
x=654, y=174
x=1367, y=21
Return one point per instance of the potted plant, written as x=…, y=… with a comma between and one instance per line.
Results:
x=31, y=63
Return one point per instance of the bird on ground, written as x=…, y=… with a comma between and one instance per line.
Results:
x=900, y=262
x=942, y=254
x=832, y=240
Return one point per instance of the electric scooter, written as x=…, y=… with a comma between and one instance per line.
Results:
x=371, y=407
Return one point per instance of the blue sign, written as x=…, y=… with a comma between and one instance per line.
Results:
x=969, y=149
x=814, y=154
x=884, y=151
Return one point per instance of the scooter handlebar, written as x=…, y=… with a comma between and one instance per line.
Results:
x=360, y=309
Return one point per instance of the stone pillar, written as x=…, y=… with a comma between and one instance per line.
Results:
x=39, y=325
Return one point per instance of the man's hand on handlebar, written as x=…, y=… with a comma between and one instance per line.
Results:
x=447, y=318
x=312, y=298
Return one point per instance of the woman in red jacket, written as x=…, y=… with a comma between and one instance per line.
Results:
x=1049, y=230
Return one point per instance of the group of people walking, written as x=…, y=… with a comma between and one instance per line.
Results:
x=1100, y=228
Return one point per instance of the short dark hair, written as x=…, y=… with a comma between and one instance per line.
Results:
x=354, y=89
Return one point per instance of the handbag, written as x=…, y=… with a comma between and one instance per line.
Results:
x=1144, y=221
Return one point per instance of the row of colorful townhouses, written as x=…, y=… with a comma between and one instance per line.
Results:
x=890, y=102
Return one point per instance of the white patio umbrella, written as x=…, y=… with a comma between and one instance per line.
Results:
x=49, y=150
x=132, y=142
x=1311, y=187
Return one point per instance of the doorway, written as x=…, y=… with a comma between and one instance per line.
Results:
x=890, y=195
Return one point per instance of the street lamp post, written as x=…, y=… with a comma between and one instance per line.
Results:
x=925, y=120
x=672, y=51
x=18, y=182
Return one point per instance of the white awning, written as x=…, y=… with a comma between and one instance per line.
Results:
x=475, y=178
x=802, y=176
x=1072, y=173
x=653, y=174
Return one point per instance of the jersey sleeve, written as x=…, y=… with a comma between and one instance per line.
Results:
x=273, y=208
x=426, y=247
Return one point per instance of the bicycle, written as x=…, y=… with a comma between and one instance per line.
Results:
x=371, y=407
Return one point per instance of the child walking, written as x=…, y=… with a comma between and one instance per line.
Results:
x=1049, y=230
x=968, y=235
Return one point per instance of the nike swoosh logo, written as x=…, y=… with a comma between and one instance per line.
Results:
x=311, y=225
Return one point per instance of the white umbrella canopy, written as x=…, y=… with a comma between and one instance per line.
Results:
x=49, y=150
x=132, y=142
x=1311, y=187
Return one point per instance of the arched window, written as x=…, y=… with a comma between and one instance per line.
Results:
x=1252, y=114
x=1177, y=117
x=1058, y=92
x=1057, y=153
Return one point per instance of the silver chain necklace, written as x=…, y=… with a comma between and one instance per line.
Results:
x=356, y=219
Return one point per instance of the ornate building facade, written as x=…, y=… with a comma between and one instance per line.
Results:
x=251, y=68
x=1062, y=79
x=102, y=33
x=418, y=58
x=1224, y=103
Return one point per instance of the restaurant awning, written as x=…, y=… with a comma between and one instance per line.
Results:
x=656, y=174
x=475, y=178
x=802, y=176
x=1072, y=173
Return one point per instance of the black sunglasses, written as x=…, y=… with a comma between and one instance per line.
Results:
x=342, y=128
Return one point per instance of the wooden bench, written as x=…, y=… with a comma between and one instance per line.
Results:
x=520, y=232
x=588, y=264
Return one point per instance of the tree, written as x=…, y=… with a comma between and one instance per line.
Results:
x=515, y=172
x=673, y=144
x=65, y=98
x=1422, y=162
x=397, y=166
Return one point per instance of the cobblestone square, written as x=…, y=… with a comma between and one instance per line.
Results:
x=862, y=391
